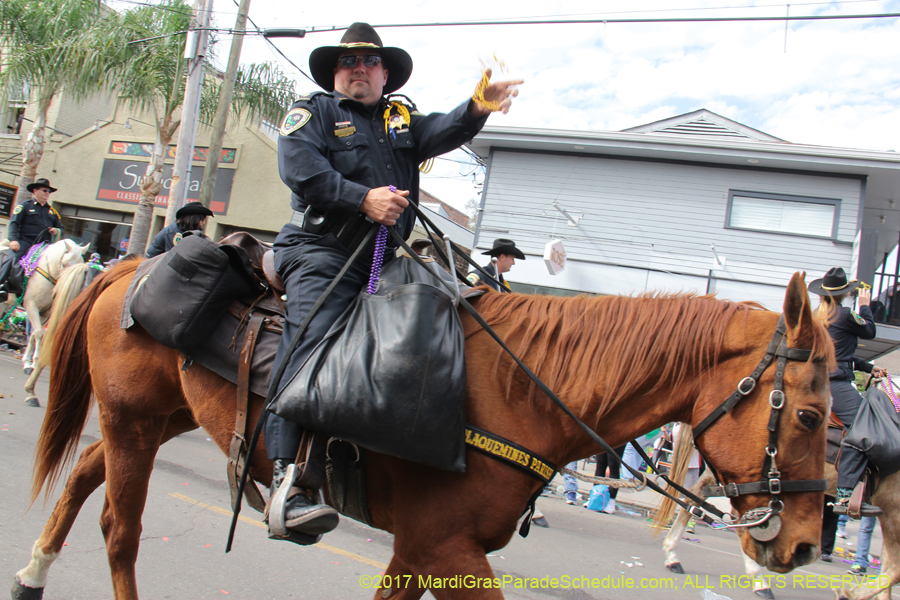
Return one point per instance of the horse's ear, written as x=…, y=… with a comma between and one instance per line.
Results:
x=84, y=248
x=797, y=311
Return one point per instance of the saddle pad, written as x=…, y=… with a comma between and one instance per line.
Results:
x=222, y=348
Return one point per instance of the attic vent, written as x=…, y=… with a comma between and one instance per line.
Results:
x=702, y=127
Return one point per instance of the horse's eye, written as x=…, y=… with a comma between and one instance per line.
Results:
x=809, y=419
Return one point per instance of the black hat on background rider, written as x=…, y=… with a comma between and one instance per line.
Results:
x=834, y=283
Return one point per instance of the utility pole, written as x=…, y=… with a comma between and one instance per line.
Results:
x=194, y=52
x=225, y=94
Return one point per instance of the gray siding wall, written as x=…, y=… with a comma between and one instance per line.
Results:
x=658, y=216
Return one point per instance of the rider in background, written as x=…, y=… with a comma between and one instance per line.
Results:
x=33, y=222
x=846, y=327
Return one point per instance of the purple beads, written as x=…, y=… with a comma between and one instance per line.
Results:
x=378, y=255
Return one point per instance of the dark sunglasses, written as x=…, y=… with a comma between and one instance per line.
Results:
x=348, y=61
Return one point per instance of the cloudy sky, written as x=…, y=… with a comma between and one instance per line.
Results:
x=832, y=83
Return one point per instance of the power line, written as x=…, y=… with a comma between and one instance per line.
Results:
x=274, y=47
x=621, y=21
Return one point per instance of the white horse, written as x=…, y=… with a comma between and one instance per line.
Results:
x=69, y=284
x=38, y=296
x=887, y=497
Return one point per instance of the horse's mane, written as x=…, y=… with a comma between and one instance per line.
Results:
x=647, y=342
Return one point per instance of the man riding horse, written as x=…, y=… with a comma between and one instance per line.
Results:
x=350, y=157
x=33, y=222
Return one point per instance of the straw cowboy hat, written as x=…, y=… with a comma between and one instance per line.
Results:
x=398, y=62
x=833, y=284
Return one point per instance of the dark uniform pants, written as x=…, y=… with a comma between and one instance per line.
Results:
x=9, y=259
x=307, y=264
x=845, y=404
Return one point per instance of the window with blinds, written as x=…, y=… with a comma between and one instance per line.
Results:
x=814, y=217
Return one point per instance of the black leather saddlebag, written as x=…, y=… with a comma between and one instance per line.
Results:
x=186, y=293
x=390, y=374
x=876, y=430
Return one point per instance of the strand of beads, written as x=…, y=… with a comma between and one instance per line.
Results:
x=378, y=256
x=889, y=390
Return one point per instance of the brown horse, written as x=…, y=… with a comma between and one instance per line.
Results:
x=624, y=366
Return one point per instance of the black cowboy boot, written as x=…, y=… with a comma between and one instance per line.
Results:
x=301, y=519
x=842, y=506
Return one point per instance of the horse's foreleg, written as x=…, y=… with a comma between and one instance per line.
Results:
x=761, y=587
x=462, y=557
x=671, y=542
x=680, y=524
x=34, y=340
x=88, y=474
x=399, y=583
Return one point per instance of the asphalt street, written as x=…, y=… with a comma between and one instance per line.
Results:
x=589, y=555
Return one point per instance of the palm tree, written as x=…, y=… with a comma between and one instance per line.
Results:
x=145, y=65
x=39, y=35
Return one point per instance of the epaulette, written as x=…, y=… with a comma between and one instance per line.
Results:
x=308, y=97
x=405, y=101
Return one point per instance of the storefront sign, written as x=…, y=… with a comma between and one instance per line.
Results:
x=120, y=181
x=7, y=199
x=555, y=257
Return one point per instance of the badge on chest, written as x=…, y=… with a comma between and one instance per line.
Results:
x=396, y=119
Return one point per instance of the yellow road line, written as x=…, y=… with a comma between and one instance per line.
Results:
x=256, y=523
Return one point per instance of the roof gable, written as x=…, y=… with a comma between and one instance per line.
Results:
x=704, y=124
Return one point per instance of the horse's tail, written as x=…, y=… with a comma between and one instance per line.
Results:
x=682, y=452
x=70, y=399
x=67, y=288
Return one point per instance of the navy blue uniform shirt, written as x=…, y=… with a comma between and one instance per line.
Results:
x=332, y=150
x=846, y=329
x=163, y=241
x=29, y=219
x=475, y=277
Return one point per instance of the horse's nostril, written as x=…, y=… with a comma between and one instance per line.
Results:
x=805, y=554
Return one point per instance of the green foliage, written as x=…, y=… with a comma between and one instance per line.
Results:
x=43, y=50
x=861, y=378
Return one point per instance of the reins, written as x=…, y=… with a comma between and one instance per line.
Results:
x=754, y=519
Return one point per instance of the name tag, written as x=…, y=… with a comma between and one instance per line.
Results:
x=345, y=131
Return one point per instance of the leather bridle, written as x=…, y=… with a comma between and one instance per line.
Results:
x=763, y=523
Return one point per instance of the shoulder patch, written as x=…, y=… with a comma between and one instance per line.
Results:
x=17, y=209
x=473, y=278
x=857, y=318
x=294, y=120
x=177, y=238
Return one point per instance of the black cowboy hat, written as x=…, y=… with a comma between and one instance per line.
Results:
x=398, y=62
x=504, y=246
x=193, y=208
x=43, y=183
x=833, y=284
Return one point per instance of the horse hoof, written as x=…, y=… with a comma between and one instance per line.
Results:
x=676, y=568
x=23, y=592
x=765, y=593
x=28, y=370
x=33, y=402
